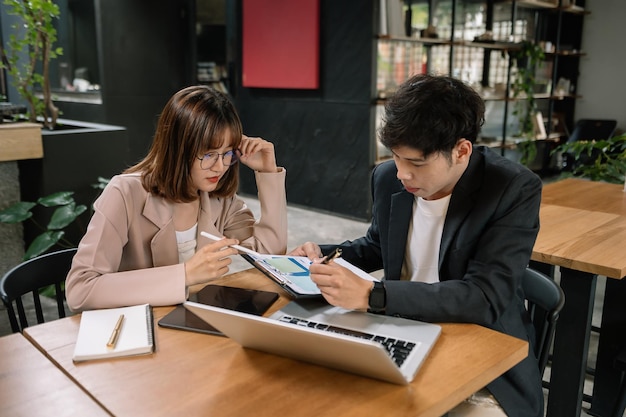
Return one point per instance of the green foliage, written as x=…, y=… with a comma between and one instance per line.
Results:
x=598, y=160
x=102, y=182
x=528, y=151
x=65, y=213
x=37, y=35
x=523, y=87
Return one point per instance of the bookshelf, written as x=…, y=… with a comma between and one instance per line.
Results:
x=475, y=40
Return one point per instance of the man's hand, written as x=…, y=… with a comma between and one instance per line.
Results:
x=340, y=286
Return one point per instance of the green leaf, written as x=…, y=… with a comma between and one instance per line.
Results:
x=49, y=291
x=65, y=215
x=42, y=243
x=16, y=213
x=609, y=161
x=101, y=184
x=57, y=199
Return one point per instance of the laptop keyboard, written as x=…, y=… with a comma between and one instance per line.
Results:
x=398, y=349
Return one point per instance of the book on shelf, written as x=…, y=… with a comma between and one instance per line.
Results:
x=115, y=332
x=391, y=18
x=539, y=127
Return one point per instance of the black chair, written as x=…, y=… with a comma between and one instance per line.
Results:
x=48, y=270
x=588, y=129
x=620, y=403
x=545, y=300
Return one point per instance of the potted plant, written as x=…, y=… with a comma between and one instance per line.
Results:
x=526, y=59
x=65, y=212
x=94, y=149
x=597, y=160
x=29, y=72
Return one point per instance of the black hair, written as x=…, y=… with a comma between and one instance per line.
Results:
x=431, y=113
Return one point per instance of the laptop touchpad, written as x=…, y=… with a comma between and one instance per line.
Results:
x=354, y=320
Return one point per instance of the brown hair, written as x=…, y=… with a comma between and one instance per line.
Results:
x=194, y=120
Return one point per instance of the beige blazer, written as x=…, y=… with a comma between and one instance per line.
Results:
x=129, y=254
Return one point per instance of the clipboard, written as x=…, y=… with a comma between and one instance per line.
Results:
x=292, y=272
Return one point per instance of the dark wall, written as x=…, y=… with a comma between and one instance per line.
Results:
x=74, y=158
x=322, y=137
x=146, y=51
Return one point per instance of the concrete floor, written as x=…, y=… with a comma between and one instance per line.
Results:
x=306, y=225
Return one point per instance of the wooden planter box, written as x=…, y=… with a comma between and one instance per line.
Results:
x=20, y=140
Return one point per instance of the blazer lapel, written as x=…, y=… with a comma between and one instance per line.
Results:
x=399, y=219
x=461, y=202
x=163, y=245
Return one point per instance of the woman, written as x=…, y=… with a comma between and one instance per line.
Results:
x=143, y=243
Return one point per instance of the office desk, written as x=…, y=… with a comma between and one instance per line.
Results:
x=194, y=374
x=30, y=385
x=583, y=230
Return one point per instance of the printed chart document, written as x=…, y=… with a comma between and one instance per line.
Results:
x=292, y=272
x=115, y=332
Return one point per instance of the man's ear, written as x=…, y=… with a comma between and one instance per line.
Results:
x=463, y=150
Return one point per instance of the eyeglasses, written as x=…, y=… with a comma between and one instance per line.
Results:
x=229, y=158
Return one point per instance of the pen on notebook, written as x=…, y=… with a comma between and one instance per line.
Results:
x=335, y=254
x=239, y=248
x=116, y=332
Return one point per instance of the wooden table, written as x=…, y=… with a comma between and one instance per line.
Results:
x=194, y=374
x=583, y=231
x=30, y=385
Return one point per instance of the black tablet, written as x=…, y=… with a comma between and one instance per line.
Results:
x=247, y=301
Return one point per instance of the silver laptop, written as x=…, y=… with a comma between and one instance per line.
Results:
x=391, y=349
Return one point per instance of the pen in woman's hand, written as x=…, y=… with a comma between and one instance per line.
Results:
x=333, y=255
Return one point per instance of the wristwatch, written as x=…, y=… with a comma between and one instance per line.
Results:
x=378, y=298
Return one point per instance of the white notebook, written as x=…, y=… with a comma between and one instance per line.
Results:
x=135, y=337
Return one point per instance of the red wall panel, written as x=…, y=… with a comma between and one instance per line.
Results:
x=281, y=44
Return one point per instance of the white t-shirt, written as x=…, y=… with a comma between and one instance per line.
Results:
x=186, y=243
x=421, y=260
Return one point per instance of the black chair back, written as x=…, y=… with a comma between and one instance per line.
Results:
x=587, y=129
x=47, y=270
x=590, y=129
x=545, y=300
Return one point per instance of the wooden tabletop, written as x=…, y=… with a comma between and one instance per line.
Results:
x=583, y=227
x=586, y=195
x=31, y=385
x=194, y=374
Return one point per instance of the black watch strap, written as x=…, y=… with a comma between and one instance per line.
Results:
x=378, y=298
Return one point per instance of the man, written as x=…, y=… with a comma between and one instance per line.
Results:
x=453, y=227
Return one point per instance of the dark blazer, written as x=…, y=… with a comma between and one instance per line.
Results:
x=488, y=236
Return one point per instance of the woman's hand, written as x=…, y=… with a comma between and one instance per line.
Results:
x=309, y=249
x=258, y=154
x=209, y=262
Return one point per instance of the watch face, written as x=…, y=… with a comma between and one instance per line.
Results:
x=377, y=297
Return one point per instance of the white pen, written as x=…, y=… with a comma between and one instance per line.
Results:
x=239, y=248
